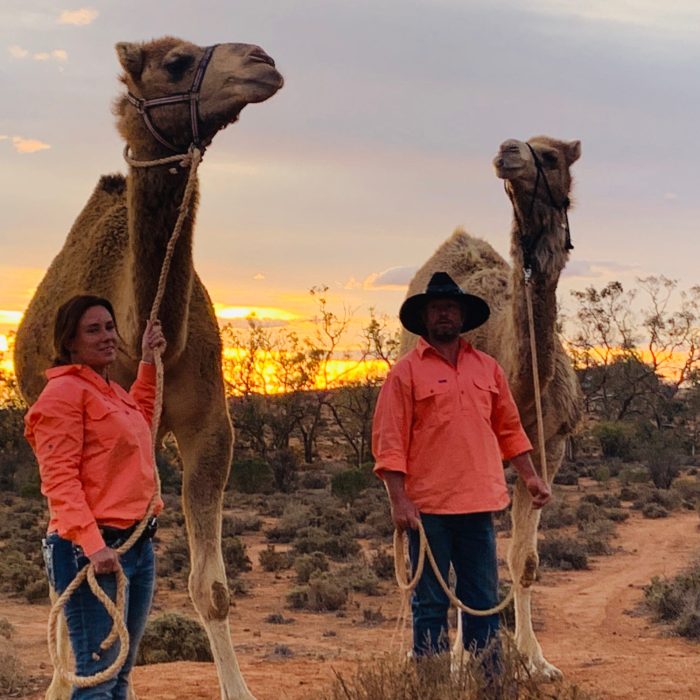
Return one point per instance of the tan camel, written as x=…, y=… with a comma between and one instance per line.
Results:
x=116, y=248
x=540, y=240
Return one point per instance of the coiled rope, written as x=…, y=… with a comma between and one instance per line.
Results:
x=115, y=609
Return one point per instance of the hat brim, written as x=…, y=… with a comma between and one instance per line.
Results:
x=474, y=309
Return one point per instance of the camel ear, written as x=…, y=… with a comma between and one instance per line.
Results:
x=573, y=151
x=131, y=58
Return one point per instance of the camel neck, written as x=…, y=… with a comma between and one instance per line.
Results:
x=154, y=196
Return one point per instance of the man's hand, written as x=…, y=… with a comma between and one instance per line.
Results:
x=538, y=490
x=404, y=514
x=105, y=560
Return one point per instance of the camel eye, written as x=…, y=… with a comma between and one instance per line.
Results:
x=549, y=159
x=177, y=65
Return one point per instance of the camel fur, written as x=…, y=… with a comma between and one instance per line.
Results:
x=480, y=270
x=115, y=249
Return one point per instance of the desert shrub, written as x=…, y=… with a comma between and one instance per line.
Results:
x=322, y=593
x=17, y=572
x=557, y=514
x=654, y=511
x=373, y=500
x=371, y=617
x=349, y=484
x=688, y=490
x=232, y=525
x=173, y=637
x=677, y=601
x=360, y=578
x=295, y=517
x=283, y=651
x=278, y=619
x=669, y=500
x=273, y=505
x=659, y=451
x=13, y=681
x=315, y=539
x=235, y=558
x=251, y=476
x=606, y=500
x=382, y=563
x=566, y=477
x=6, y=628
x=272, y=560
x=393, y=678
x=284, y=464
x=313, y=479
x=562, y=553
x=306, y=565
x=634, y=475
x=596, y=536
x=37, y=591
x=588, y=512
x=174, y=559
x=602, y=473
x=617, y=515
x=616, y=439
x=627, y=493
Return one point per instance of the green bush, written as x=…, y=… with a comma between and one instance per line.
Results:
x=360, y=578
x=562, y=553
x=232, y=525
x=272, y=560
x=251, y=476
x=654, y=511
x=313, y=479
x=174, y=559
x=616, y=439
x=677, y=601
x=382, y=564
x=322, y=593
x=235, y=558
x=349, y=484
x=173, y=637
x=295, y=517
x=315, y=539
x=17, y=572
x=306, y=565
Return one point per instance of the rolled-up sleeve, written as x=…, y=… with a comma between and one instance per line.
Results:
x=391, y=427
x=505, y=421
x=54, y=428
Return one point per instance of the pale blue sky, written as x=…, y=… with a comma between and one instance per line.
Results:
x=381, y=142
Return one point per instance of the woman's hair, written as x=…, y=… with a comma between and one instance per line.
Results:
x=67, y=320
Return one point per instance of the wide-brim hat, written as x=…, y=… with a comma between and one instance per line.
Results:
x=441, y=286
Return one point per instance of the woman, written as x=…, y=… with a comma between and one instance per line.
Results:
x=92, y=440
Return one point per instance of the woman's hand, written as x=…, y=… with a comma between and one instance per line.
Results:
x=105, y=560
x=153, y=342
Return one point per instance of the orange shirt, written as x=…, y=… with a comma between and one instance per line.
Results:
x=448, y=429
x=93, y=443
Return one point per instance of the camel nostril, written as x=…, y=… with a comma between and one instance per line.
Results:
x=257, y=54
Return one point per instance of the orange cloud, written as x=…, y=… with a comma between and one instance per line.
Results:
x=230, y=313
x=23, y=145
x=79, y=18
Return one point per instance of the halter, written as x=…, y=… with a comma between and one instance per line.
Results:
x=528, y=241
x=192, y=96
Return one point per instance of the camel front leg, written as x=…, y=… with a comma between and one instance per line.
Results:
x=523, y=562
x=60, y=689
x=206, y=455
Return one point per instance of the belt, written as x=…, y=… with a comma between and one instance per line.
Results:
x=116, y=536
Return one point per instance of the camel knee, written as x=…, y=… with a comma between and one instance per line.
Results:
x=212, y=602
x=527, y=578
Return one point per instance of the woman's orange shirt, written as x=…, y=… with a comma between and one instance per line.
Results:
x=448, y=429
x=92, y=440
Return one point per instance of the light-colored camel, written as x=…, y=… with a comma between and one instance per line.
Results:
x=540, y=238
x=116, y=248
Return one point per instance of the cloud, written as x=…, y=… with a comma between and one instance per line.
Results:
x=23, y=145
x=392, y=278
x=670, y=196
x=4, y=137
x=79, y=18
x=593, y=269
x=258, y=276
x=17, y=52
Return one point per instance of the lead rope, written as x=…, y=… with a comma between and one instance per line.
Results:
x=116, y=611
x=407, y=586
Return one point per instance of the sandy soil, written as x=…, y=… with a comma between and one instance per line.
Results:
x=588, y=625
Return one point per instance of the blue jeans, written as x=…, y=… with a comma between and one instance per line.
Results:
x=468, y=542
x=88, y=621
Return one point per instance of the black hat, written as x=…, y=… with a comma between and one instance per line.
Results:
x=441, y=286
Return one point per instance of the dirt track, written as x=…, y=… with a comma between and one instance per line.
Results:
x=589, y=628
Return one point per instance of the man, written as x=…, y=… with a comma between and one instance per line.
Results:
x=444, y=423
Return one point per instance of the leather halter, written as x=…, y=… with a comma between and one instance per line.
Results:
x=528, y=241
x=192, y=96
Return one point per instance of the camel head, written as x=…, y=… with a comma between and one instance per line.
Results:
x=234, y=76
x=517, y=162
x=538, y=181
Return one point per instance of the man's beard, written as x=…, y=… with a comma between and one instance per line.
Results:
x=445, y=335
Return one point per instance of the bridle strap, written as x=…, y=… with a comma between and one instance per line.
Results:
x=192, y=96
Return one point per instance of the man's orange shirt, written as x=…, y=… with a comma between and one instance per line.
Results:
x=93, y=443
x=448, y=429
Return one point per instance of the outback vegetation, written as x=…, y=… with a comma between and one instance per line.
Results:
x=303, y=507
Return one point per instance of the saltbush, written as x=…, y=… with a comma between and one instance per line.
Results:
x=173, y=637
x=306, y=565
x=349, y=484
x=251, y=476
x=272, y=560
x=235, y=558
x=322, y=593
x=677, y=601
x=562, y=553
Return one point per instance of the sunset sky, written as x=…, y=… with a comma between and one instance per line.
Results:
x=378, y=146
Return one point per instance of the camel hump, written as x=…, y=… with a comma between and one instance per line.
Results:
x=112, y=184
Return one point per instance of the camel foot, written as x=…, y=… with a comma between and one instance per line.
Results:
x=543, y=670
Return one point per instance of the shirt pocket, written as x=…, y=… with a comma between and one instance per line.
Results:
x=433, y=404
x=485, y=395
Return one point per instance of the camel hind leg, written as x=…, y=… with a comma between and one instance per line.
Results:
x=206, y=455
x=523, y=562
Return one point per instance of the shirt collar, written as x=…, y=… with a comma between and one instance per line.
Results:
x=423, y=346
x=83, y=371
